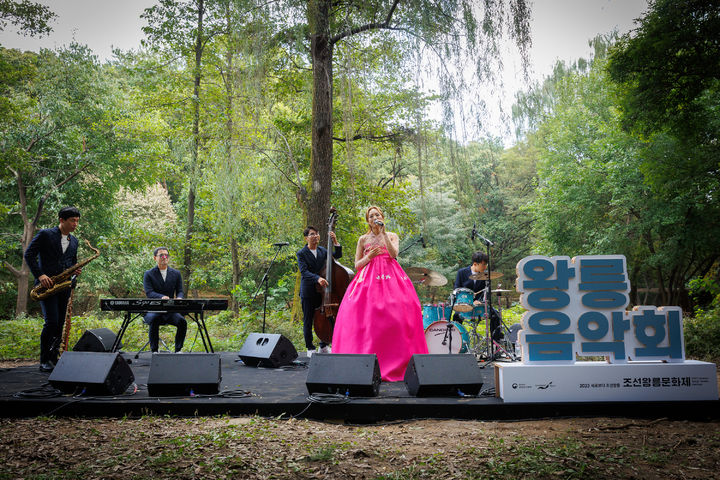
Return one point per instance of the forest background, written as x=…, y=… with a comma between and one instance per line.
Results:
x=237, y=123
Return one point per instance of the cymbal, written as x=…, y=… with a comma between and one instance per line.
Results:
x=425, y=276
x=484, y=276
x=500, y=290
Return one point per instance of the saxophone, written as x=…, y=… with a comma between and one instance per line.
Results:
x=63, y=280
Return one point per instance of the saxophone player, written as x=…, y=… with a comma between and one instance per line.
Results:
x=49, y=253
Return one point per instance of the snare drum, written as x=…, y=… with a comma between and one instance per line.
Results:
x=462, y=299
x=435, y=313
x=436, y=332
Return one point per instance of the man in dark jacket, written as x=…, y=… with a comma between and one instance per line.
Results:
x=164, y=282
x=462, y=280
x=311, y=260
x=52, y=251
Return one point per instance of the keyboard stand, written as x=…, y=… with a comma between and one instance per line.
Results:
x=197, y=317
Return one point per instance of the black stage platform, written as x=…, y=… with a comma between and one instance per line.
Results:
x=281, y=392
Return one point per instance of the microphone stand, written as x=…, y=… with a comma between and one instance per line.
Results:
x=489, y=341
x=447, y=338
x=264, y=281
x=415, y=242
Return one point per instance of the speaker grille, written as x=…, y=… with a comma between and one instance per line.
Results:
x=95, y=373
x=184, y=374
x=443, y=375
x=356, y=375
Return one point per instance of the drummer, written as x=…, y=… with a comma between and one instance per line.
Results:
x=471, y=277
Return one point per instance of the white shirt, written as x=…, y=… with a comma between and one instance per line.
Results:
x=64, y=242
x=163, y=273
x=314, y=252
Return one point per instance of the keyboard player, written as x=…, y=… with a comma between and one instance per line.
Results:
x=164, y=282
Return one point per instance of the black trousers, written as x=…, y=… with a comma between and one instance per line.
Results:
x=309, y=304
x=155, y=319
x=54, y=309
x=495, y=327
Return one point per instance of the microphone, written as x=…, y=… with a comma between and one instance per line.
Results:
x=379, y=223
x=474, y=232
x=281, y=244
x=422, y=241
x=487, y=242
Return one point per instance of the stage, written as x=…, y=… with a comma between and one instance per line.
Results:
x=282, y=392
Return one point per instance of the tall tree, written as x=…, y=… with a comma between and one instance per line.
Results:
x=184, y=28
x=457, y=30
x=594, y=196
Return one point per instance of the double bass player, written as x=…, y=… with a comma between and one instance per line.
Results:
x=311, y=261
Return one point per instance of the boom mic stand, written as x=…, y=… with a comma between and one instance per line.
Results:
x=264, y=280
x=413, y=243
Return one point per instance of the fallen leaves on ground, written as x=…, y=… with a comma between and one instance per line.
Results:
x=259, y=448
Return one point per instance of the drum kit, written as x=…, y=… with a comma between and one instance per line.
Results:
x=443, y=322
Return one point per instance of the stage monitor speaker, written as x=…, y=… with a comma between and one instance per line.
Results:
x=96, y=340
x=267, y=350
x=443, y=375
x=356, y=375
x=184, y=374
x=92, y=373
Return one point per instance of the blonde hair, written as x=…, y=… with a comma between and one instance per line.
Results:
x=367, y=215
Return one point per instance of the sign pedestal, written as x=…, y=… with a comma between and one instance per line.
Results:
x=605, y=382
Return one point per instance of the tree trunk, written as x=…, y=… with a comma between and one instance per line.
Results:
x=195, y=170
x=318, y=204
x=22, y=275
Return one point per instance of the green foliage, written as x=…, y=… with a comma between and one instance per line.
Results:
x=594, y=196
x=702, y=335
x=29, y=18
x=667, y=64
x=20, y=338
x=668, y=75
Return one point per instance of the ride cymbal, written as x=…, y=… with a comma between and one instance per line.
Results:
x=425, y=276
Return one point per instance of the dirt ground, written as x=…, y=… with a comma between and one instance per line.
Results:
x=260, y=448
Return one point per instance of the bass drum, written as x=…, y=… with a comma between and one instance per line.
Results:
x=436, y=336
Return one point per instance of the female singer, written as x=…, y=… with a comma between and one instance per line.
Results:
x=380, y=312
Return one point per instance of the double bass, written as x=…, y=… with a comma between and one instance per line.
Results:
x=338, y=278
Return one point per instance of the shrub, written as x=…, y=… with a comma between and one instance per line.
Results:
x=702, y=335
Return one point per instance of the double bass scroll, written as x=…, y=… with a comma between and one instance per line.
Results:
x=338, y=279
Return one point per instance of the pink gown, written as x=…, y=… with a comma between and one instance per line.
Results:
x=380, y=313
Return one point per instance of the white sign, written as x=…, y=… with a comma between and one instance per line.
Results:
x=604, y=382
x=576, y=307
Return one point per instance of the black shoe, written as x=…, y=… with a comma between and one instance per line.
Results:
x=47, y=367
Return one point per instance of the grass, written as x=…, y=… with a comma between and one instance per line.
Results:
x=20, y=338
